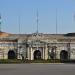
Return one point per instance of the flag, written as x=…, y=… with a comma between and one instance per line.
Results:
x=0, y=16
x=74, y=16
x=0, y=19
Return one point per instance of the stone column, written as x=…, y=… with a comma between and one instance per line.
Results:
x=46, y=52
x=32, y=53
x=43, y=53
x=68, y=49
x=28, y=51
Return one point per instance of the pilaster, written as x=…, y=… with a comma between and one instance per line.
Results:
x=46, y=52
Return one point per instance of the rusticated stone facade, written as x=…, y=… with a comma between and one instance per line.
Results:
x=37, y=46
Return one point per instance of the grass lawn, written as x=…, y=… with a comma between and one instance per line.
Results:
x=28, y=61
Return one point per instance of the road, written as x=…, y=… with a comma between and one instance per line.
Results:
x=37, y=69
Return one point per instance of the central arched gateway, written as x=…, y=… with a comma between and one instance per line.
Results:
x=37, y=55
x=63, y=55
x=11, y=54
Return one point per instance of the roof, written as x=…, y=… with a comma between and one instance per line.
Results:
x=70, y=34
x=4, y=34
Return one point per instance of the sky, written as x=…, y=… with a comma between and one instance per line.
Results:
x=24, y=12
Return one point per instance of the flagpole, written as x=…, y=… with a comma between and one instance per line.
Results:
x=37, y=28
x=19, y=25
x=56, y=35
x=37, y=21
x=56, y=23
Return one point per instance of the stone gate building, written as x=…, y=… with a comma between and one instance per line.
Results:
x=37, y=46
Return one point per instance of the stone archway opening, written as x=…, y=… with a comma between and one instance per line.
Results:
x=11, y=54
x=63, y=55
x=37, y=55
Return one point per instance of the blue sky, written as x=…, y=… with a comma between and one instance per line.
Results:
x=11, y=10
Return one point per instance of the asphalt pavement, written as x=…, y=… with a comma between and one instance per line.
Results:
x=37, y=69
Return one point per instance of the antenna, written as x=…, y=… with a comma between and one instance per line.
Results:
x=37, y=21
x=0, y=22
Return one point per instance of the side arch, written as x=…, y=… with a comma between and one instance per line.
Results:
x=11, y=54
x=63, y=55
